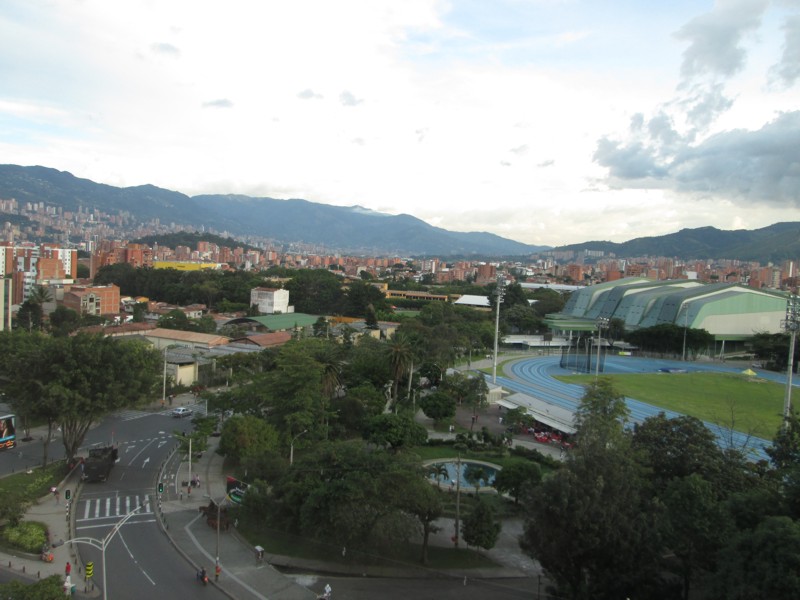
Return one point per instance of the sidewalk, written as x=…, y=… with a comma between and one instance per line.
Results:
x=54, y=516
x=242, y=576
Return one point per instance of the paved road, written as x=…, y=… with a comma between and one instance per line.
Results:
x=140, y=559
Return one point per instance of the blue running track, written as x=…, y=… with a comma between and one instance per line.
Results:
x=536, y=377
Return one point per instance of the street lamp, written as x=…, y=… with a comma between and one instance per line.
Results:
x=219, y=516
x=790, y=324
x=497, y=327
x=103, y=544
x=601, y=323
x=291, y=446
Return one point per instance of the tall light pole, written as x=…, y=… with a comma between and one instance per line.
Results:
x=219, y=515
x=790, y=324
x=103, y=544
x=291, y=446
x=164, y=385
x=497, y=327
x=601, y=323
x=685, y=327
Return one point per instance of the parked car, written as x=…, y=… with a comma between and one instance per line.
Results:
x=181, y=412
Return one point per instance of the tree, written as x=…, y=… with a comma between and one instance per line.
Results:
x=522, y=318
x=476, y=475
x=343, y=493
x=359, y=404
x=30, y=316
x=439, y=472
x=395, y=432
x=425, y=503
x=64, y=321
x=761, y=563
x=438, y=406
x=76, y=380
x=593, y=527
x=400, y=357
x=480, y=528
x=517, y=476
x=175, y=319
x=98, y=375
x=676, y=448
x=244, y=436
x=695, y=525
x=600, y=414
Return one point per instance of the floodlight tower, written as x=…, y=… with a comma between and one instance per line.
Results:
x=499, y=291
x=790, y=324
x=602, y=322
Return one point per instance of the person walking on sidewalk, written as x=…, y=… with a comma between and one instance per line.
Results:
x=67, y=569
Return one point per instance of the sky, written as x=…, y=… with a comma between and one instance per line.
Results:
x=548, y=122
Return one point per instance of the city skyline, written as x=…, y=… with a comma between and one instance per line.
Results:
x=548, y=123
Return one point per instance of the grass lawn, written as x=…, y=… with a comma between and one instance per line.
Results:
x=748, y=404
x=394, y=554
x=31, y=487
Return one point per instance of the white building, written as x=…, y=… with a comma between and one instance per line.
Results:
x=270, y=300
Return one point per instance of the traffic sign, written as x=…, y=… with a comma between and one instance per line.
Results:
x=89, y=570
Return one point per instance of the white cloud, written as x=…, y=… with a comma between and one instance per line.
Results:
x=532, y=120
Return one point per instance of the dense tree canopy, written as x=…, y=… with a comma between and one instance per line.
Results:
x=75, y=381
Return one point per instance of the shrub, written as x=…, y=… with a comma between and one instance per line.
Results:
x=28, y=536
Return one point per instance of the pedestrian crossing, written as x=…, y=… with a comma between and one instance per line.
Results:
x=111, y=507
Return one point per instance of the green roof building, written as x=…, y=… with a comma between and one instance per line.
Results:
x=727, y=311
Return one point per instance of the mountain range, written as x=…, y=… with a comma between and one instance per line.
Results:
x=352, y=229
x=775, y=243
x=357, y=230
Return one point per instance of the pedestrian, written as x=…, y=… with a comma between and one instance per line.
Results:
x=67, y=569
x=171, y=396
x=56, y=494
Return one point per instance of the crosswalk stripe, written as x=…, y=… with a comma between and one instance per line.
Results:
x=104, y=508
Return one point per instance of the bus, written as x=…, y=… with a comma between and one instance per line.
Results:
x=8, y=432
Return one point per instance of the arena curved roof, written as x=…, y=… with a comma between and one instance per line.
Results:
x=727, y=311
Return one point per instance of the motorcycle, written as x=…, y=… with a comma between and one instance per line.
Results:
x=202, y=576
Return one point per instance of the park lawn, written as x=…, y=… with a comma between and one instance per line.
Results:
x=747, y=404
x=398, y=555
x=31, y=486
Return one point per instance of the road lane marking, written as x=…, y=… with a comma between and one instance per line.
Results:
x=111, y=524
x=124, y=543
x=140, y=451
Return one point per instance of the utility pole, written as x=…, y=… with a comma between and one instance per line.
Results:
x=497, y=327
x=790, y=325
x=601, y=322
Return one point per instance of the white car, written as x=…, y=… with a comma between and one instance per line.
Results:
x=181, y=412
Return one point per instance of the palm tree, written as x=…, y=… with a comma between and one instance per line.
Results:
x=475, y=474
x=329, y=356
x=400, y=357
x=439, y=472
x=32, y=311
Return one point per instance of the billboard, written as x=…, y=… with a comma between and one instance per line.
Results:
x=8, y=432
x=236, y=489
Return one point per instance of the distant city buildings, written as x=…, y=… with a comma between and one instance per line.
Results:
x=103, y=236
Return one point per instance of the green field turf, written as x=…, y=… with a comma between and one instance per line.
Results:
x=746, y=404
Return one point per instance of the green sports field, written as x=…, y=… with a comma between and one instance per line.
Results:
x=747, y=404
